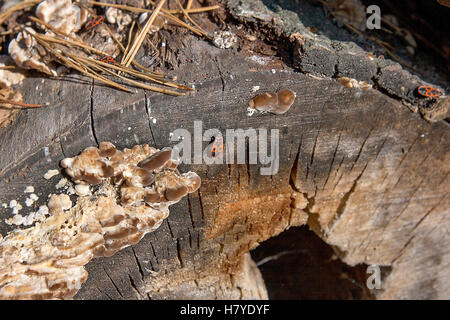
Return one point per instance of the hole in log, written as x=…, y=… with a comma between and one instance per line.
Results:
x=297, y=264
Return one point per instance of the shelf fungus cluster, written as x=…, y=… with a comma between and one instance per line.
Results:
x=127, y=194
x=62, y=15
x=28, y=54
x=277, y=103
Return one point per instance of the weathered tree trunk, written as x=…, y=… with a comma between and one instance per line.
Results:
x=369, y=176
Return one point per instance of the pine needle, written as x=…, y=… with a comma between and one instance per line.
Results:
x=138, y=40
x=8, y=67
x=61, y=46
x=150, y=42
x=81, y=64
x=121, y=47
x=130, y=35
x=164, y=13
x=185, y=13
x=130, y=71
x=136, y=83
x=80, y=68
x=141, y=10
x=20, y=6
x=20, y=104
x=75, y=42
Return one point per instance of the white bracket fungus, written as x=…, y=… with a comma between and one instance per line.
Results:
x=135, y=188
x=50, y=174
x=62, y=15
x=28, y=54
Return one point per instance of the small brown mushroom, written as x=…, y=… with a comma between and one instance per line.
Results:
x=353, y=83
x=285, y=100
x=82, y=189
x=131, y=195
x=139, y=177
x=113, y=221
x=117, y=16
x=171, y=164
x=147, y=178
x=277, y=103
x=28, y=54
x=107, y=171
x=90, y=178
x=119, y=233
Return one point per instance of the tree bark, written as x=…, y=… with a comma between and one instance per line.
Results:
x=369, y=176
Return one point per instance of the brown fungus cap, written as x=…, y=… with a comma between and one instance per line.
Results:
x=156, y=160
x=152, y=197
x=174, y=194
x=107, y=149
x=277, y=103
x=264, y=102
x=285, y=100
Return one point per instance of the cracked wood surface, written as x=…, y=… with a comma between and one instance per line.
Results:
x=373, y=177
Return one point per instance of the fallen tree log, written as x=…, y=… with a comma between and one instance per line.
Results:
x=369, y=176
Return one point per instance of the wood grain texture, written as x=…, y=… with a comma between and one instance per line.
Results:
x=373, y=174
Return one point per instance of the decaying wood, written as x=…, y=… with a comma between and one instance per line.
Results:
x=369, y=176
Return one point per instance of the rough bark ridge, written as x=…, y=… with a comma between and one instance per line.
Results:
x=363, y=171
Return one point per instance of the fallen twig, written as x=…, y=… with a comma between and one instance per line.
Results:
x=21, y=104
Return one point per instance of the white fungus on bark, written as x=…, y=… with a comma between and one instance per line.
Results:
x=28, y=54
x=62, y=15
x=135, y=188
x=7, y=76
x=58, y=203
x=118, y=17
x=29, y=189
x=50, y=174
